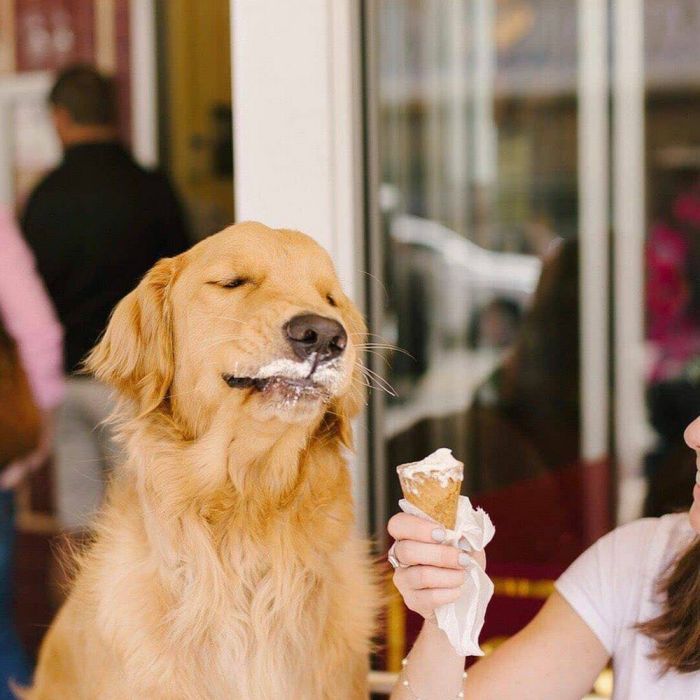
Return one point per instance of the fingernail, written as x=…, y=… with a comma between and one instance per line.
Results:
x=438, y=534
x=464, y=545
x=465, y=559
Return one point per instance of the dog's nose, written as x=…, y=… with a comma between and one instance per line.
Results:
x=309, y=333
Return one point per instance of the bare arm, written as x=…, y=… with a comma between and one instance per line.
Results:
x=555, y=657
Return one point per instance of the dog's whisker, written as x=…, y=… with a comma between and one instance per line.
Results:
x=387, y=346
x=379, y=281
x=382, y=383
x=382, y=346
x=356, y=381
x=367, y=384
x=366, y=335
x=379, y=355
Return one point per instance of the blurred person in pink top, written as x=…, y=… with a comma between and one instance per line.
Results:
x=28, y=317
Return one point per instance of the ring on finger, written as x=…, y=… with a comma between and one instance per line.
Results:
x=393, y=559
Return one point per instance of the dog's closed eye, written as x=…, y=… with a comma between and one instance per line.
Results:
x=232, y=283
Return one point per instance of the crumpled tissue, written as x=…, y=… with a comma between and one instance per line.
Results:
x=462, y=620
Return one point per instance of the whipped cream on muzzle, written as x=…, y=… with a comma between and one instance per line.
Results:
x=292, y=374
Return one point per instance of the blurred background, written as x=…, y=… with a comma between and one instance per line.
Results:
x=172, y=69
x=510, y=190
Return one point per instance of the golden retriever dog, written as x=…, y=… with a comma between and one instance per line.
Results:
x=224, y=564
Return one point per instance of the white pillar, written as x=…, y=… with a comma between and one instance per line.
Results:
x=296, y=107
x=629, y=228
x=593, y=183
x=456, y=146
x=144, y=89
x=593, y=227
x=485, y=136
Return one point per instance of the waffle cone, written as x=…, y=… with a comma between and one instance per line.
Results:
x=437, y=499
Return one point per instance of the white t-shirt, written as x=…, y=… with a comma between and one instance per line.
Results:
x=612, y=587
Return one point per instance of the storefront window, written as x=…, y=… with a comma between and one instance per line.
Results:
x=672, y=253
x=476, y=115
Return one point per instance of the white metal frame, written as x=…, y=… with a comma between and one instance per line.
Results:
x=485, y=138
x=297, y=134
x=593, y=225
x=629, y=232
x=144, y=83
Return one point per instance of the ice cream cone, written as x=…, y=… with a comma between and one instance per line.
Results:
x=433, y=485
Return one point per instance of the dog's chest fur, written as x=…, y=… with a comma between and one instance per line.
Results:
x=287, y=615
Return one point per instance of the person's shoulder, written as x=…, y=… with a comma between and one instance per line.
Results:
x=648, y=543
x=635, y=533
x=47, y=190
x=636, y=529
x=50, y=180
x=645, y=529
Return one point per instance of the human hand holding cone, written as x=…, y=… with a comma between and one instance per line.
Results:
x=433, y=485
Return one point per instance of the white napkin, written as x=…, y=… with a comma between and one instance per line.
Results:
x=462, y=620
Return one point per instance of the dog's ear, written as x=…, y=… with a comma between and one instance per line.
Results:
x=346, y=407
x=135, y=354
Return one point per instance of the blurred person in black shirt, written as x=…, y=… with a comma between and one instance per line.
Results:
x=96, y=224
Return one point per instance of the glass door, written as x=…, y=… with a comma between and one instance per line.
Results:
x=534, y=244
x=666, y=98
x=478, y=200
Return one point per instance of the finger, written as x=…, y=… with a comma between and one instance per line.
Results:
x=426, y=601
x=411, y=553
x=421, y=577
x=409, y=527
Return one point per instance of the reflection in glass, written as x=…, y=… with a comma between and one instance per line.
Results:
x=672, y=114
x=477, y=119
x=478, y=108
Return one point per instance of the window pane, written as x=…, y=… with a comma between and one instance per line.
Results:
x=477, y=112
x=672, y=151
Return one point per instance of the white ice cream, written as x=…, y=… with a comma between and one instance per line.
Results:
x=440, y=465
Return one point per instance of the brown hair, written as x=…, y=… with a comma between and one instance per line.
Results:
x=676, y=630
x=86, y=94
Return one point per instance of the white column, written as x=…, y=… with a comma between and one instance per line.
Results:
x=144, y=89
x=629, y=229
x=431, y=95
x=296, y=120
x=485, y=138
x=297, y=131
x=593, y=227
x=456, y=153
x=593, y=184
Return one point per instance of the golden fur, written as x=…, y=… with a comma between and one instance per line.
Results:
x=224, y=564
